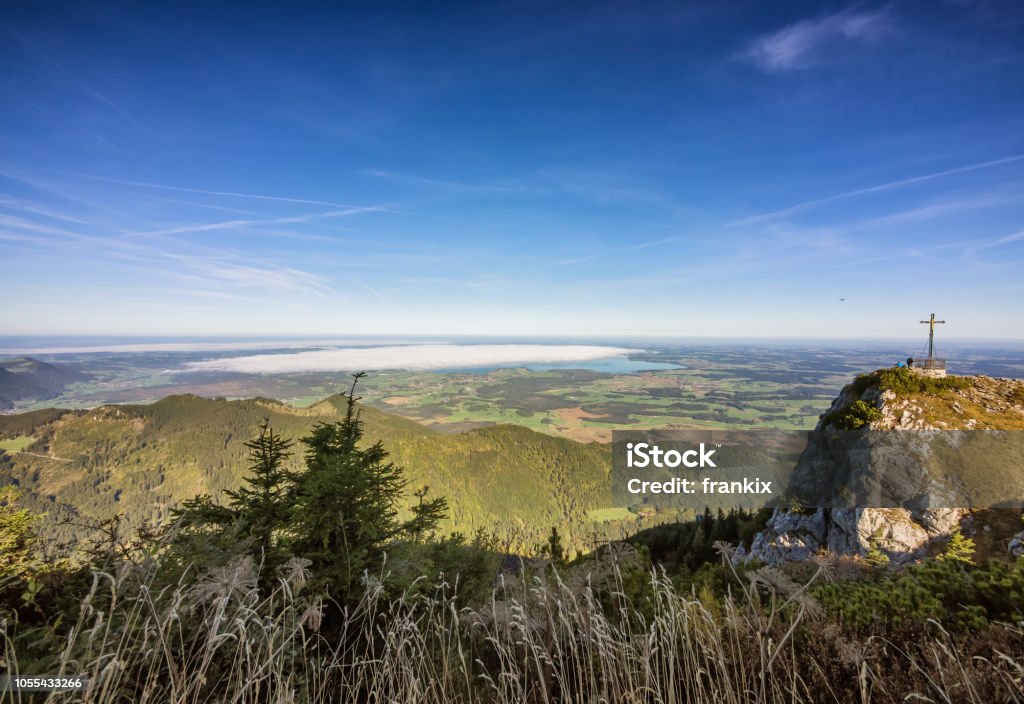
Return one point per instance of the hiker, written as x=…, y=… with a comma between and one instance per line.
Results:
x=910, y=362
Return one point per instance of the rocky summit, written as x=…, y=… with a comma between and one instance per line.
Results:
x=917, y=407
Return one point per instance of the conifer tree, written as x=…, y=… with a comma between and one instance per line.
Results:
x=959, y=549
x=340, y=513
x=698, y=542
x=262, y=504
x=347, y=501
x=19, y=543
x=425, y=514
x=254, y=518
x=554, y=548
x=875, y=556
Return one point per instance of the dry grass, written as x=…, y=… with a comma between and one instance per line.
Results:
x=540, y=639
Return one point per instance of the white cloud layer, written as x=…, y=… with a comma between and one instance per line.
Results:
x=411, y=357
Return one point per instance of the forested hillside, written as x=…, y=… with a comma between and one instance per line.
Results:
x=140, y=460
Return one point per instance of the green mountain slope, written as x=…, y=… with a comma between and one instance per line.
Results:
x=140, y=460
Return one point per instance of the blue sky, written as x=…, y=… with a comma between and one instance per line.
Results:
x=720, y=168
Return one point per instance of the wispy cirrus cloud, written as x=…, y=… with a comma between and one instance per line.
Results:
x=235, y=224
x=877, y=188
x=192, y=264
x=27, y=206
x=95, y=94
x=407, y=179
x=210, y=266
x=606, y=187
x=204, y=191
x=12, y=221
x=620, y=250
x=977, y=247
x=260, y=277
x=802, y=44
x=944, y=208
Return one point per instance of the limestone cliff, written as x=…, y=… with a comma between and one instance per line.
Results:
x=902, y=401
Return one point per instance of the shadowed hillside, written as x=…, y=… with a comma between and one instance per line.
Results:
x=25, y=378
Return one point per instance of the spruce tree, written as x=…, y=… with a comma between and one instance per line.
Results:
x=554, y=549
x=425, y=514
x=340, y=513
x=875, y=556
x=262, y=504
x=19, y=543
x=253, y=520
x=959, y=549
x=347, y=502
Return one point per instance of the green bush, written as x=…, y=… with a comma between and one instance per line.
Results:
x=901, y=380
x=957, y=595
x=856, y=415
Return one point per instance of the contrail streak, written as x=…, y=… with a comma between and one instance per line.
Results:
x=807, y=205
x=231, y=194
x=81, y=84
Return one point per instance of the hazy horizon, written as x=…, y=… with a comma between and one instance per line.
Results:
x=13, y=345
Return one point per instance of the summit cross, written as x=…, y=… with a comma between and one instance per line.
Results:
x=931, y=323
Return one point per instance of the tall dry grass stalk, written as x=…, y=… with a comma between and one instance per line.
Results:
x=539, y=639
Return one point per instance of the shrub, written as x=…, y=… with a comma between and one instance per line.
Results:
x=957, y=595
x=901, y=380
x=856, y=415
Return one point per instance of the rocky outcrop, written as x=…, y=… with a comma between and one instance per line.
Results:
x=790, y=535
x=900, y=534
x=854, y=470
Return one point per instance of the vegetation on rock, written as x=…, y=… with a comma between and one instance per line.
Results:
x=857, y=415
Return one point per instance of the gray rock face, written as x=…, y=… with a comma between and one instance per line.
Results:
x=856, y=471
x=927, y=462
x=790, y=535
x=900, y=534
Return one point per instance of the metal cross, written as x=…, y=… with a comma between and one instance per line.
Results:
x=931, y=333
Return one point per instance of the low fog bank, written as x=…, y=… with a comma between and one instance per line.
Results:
x=411, y=357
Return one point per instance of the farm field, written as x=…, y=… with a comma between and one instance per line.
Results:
x=17, y=444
